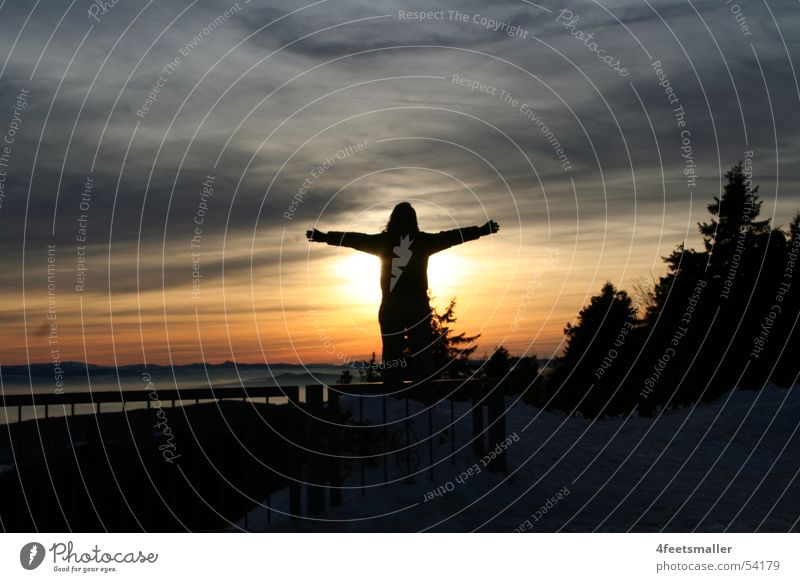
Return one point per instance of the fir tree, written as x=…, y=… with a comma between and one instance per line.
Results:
x=450, y=351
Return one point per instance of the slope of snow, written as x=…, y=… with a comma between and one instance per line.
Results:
x=727, y=466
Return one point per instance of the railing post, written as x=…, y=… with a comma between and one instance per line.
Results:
x=477, y=419
x=452, y=432
x=315, y=488
x=407, y=425
x=293, y=419
x=361, y=442
x=334, y=448
x=385, y=443
x=430, y=440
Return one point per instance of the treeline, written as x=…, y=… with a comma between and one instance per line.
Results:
x=721, y=317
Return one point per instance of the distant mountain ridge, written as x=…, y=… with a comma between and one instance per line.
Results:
x=75, y=369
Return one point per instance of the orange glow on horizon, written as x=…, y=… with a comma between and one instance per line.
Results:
x=321, y=306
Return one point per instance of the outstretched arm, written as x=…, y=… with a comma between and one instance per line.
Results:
x=448, y=238
x=316, y=236
x=490, y=227
x=368, y=243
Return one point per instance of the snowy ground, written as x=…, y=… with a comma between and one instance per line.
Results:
x=727, y=466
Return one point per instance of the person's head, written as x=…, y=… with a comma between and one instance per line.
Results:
x=403, y=220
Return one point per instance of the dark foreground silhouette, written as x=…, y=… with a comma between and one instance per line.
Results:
x=107, y=472
x=405, y=311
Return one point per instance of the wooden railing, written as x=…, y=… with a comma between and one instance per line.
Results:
x=314, y=425
x=180, y=396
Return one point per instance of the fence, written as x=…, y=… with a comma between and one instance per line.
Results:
x=318, y=428
x=315, y=427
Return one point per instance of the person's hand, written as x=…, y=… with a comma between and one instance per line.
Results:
x=316, y=236
x=490, y=227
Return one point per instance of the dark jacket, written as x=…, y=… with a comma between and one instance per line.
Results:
x=404, y=260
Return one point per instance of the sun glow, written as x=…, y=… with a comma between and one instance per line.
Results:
x=358, y=276
x=445, y=273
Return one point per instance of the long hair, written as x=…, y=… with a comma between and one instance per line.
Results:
x=403, y=220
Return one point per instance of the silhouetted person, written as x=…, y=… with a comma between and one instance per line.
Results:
x=405, y=309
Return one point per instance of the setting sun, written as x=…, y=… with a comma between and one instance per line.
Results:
x=358, y=276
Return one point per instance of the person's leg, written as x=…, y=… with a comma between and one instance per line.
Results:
x=392, y=331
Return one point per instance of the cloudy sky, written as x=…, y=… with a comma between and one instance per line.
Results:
x=561, y=121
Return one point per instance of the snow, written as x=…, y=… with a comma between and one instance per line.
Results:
x=731, y=465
